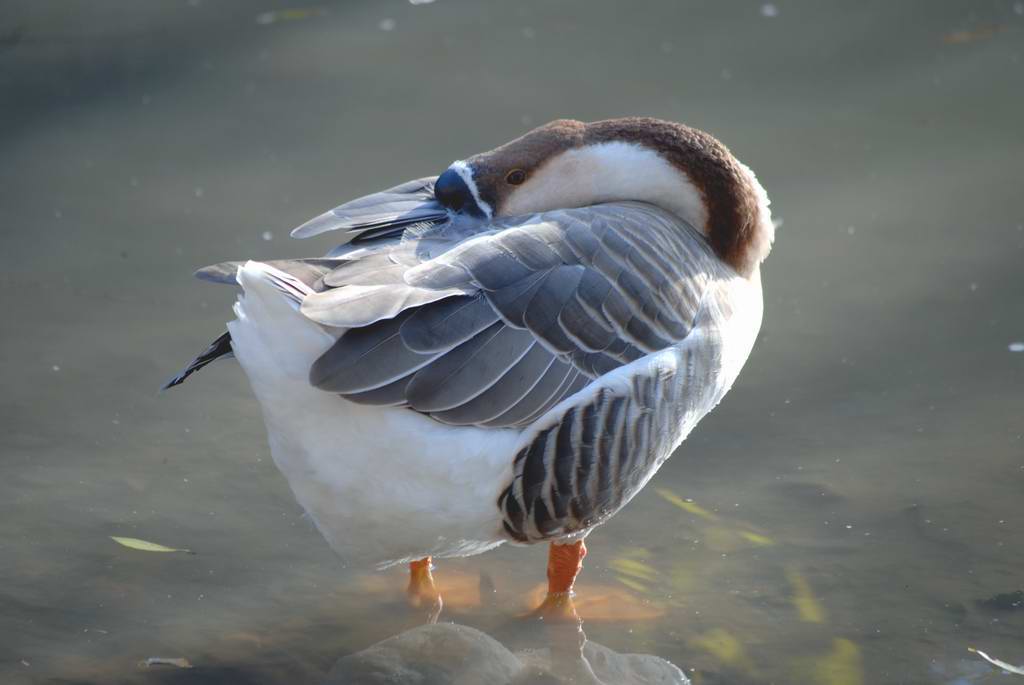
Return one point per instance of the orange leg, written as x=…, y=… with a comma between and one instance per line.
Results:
x=422, y=591
x=564, y=564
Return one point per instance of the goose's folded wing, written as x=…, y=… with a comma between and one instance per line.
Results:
x=500, y=327
x=582, y=462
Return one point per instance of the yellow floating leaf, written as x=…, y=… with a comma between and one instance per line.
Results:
x=145, y=545
x=724, y=647
x=841, y=666
x=631, y=567
x=762, y=540
x=685, y=505
x=681, y=579
x=632, y=584
x=721, y=539
x=806, y=604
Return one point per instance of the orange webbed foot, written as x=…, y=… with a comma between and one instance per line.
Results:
x=422, y=591
x=557, y=607
x=564, y=564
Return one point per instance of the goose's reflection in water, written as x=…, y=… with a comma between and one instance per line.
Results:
x=483, y=635
x=524, y=650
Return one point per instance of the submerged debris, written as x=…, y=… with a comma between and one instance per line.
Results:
x=177, y=662
x=1009, y=668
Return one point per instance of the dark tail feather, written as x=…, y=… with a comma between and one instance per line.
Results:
x=219, y=348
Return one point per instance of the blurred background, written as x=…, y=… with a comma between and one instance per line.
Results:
x=851, y=514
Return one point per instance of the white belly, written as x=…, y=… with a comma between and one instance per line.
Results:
x=383, y=485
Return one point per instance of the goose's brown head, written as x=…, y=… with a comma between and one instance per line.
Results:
x=569, y=163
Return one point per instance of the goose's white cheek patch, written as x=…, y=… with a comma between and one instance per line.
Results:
x=609, y=172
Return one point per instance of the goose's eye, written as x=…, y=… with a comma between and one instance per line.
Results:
x=515, y=177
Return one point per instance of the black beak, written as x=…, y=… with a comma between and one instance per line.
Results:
x=452, y=192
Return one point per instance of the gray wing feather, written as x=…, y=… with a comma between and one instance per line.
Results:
x=450, y=322
x=590, y=333
x=468, y=370
x=368, y=358
x=541, y=313
x=545, y=392
x=510, y=302
x=390, y=395
x=499, y=259
x=389, y=210
x=571, y=383
x=505, y=393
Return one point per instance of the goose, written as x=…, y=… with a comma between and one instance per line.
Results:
x=507, y=352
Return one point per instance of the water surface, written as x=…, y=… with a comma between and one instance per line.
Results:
x=859, y=494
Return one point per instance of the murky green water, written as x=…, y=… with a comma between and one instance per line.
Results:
x=860, y=493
